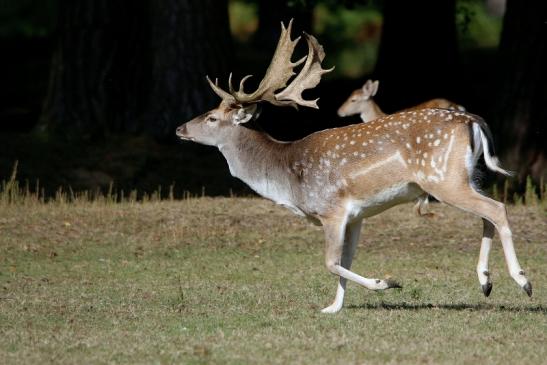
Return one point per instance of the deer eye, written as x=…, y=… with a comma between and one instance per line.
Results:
x=353, y=100
x=212, y=119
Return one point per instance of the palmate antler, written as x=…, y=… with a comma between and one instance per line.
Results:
x=279, y=73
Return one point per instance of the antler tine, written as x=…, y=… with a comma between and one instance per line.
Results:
x=241, y=86
x=278, y=73
x=308, y=78
x=230, y=86
x=226, y=97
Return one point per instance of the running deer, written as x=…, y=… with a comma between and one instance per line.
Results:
x=361, y=102
x=339, y=176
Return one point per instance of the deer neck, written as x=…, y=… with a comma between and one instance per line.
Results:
x=371, y=111
x=261, y=162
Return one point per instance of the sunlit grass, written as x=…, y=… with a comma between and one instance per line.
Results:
x=235, y=280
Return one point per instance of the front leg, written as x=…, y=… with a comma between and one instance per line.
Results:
x=336, y=232
x=351, y=238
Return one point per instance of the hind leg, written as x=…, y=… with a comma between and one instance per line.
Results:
x=421, y=208
x=493, y=211
x=482, y=265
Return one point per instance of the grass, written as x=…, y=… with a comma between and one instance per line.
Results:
x=240, y=280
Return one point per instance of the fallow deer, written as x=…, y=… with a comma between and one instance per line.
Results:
x=337, y=177
x=361, y=102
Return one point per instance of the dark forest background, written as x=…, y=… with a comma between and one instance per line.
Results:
x=92, y=90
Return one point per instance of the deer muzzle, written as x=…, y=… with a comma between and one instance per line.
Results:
x=182, y=133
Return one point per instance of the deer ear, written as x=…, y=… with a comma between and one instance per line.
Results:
x=375, y=85
x=367, y=89
x=244, y=114
x=366, y=86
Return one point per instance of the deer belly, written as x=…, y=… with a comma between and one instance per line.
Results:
x=357, y=207
x=292, y=208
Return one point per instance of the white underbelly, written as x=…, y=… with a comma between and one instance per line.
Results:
x=385, y=199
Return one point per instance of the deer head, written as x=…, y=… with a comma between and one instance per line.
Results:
x=238, y=107
x=360, y=102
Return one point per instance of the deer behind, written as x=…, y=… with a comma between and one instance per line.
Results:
x=361, y=102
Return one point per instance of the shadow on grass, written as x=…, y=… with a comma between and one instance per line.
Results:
x=456, y=307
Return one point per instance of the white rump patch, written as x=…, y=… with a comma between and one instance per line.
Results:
x=448, y=150
x=469, y=163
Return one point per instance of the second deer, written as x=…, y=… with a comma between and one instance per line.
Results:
x=361, y=102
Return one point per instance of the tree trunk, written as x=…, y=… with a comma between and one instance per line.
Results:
x=134, y=66
x=418, y=55
x=189, y=39
x=520, y=108
x=81, y=68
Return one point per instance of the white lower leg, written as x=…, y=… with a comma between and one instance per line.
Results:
x=373, y=284
x=511, y=257
x=351, y=238
x=482, y=266
x=339, y=299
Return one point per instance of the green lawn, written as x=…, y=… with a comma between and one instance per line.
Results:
x=242, y=281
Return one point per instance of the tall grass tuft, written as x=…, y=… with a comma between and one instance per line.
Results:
x=12, y=192
x=505, y=191
x=495, y=192
x=533, y=195
x=530, y=196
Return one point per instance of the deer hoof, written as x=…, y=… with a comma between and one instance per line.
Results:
x=486, y=289
x=392, y=284
x=528, y=288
